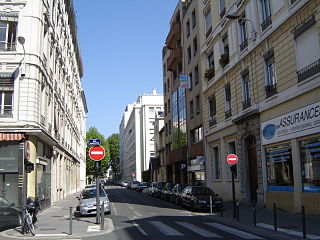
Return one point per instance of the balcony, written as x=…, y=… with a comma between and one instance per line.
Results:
x=222, y=13
x=228, y=113
x=271, y=90
x=174, y=31
x=49, y=127
x=175, y=56
x=7, y=47
x=266, y=23
x=244, y=44
x=246, y=104
x=42, y=120
x=6, y=113
x=208, y=32
x=212, y=122
x=309, y=71
x=209, y=73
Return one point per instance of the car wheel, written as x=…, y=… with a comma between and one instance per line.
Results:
x=192, y=206
x=19, y=220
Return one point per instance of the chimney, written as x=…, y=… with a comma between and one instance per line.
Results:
x=154, y=92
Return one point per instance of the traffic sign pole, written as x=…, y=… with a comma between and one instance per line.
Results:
x=233, y=169
x=98, y=194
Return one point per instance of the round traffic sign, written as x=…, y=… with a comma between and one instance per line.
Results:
x=232, y=159
x=96, y=153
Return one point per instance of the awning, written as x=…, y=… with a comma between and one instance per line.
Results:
x=11, y=136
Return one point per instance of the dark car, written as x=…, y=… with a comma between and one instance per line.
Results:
x=176, y=194
x=142, y=186
x=166, y=192
x=10, y=216
x=199, y=198
x=158, y=190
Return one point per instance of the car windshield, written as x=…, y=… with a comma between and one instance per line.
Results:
x=161, y=184
x=170, y=186
x=91, y=193
x=4, y=202
x=202, y=191
x=143, y=184
x=135, y=182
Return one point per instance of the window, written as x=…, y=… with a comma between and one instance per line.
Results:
x=211, y=60
x=165, y=88
x=191, y=109
x=169, y=105
x=212, y=111
x=190, y=80
x=165, y=109
x=243, y=32
x=246, y=102
x=164, y=69
x=310, y=163
x=195, y=46
x=166, y=129
x=279, y=167
x=196, y=75
x=151, y=109
x=266, y=14
x=216, y=162
x=307, y=50
x=194, y=20
x=169, y=125
x=8, y=36
x=208, y=23
x=196, y=135
x=188, y=28
x=222, y=8
x=198, y=104
x=224, y=60
x=270, y=73
x=6, y=97
x=189, y=54
x=227, y=92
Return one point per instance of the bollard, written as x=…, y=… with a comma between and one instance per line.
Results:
x=221, y=209
x=304, y=231
x=211, y=205
x=102, y=216
x=70, y=221
x=254, y=215
x=238, y=211
x=275, y=217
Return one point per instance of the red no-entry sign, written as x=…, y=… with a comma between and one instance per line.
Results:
x=232, y=159
x=96, y=153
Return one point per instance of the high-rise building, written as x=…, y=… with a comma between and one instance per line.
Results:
x=42, y=105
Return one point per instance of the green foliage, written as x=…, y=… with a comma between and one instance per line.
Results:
x=179, y=138
x=93, y=133
x=114, y=147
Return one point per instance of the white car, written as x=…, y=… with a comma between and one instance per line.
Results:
x=87, y=201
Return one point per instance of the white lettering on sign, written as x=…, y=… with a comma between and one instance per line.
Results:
x=301, y=122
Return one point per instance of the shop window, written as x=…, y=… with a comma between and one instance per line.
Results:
x=310, y=164
x=279, y=167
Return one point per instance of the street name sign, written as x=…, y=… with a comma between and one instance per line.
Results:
x=232, y=159
x=96, y=153
x=95, y=141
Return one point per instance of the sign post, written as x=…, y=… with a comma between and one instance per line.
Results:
x=97, y=153
x=232, y=159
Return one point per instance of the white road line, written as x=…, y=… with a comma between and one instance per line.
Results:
x=165, y=229
x=233, y=231
x=198, y=230
x=138, y=214
x=93, y=228
x=130, y=207
x=52, y=235
x=139, y=228
x=109, y=223
x=114, y=209
x=288, y=231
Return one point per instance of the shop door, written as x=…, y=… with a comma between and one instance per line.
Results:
x=252, y=160
x=9, y=187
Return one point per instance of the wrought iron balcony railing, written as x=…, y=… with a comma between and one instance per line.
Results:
x=7, y=47
x=246, y=103
x=212, y=121
x=271, y=90
x=208, y=32
x=228, y=113
x=309, y=71
x=266, y=23
x=244, y=44
x=6, y=113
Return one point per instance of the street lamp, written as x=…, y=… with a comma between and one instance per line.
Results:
x=22, y=41
x=237, y=16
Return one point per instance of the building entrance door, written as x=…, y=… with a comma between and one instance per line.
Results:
x=252, y=160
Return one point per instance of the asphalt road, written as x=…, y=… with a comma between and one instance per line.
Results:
x=138, y=216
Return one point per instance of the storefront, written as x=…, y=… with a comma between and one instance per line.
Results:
x=291, y=144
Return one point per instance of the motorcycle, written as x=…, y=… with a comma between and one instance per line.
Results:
x=33, y=207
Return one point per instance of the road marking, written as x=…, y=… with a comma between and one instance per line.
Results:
x=288, y=231
x=93, y=229
x=165, y=229
x=130, y=207
x=109, y=223
x=114, y=209
x=152, y=213
x=51, y=235
x=233, y=231
x=139, y=228
x=198, y=230
x=138, y=214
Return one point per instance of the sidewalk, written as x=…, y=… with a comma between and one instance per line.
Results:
x=53, y=223
x=288, y=223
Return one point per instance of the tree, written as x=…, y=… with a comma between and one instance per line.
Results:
x=93, y=133
x=114, y=147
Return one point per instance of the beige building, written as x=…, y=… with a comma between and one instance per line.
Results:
x=261, y=76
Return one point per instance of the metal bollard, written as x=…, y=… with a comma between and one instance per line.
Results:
x=70, y=221
x=254, y=215
x=238, y=211
x=304, y=231
x=275, y=217
x=221, y=209
x=211, y=205
x=102, y=216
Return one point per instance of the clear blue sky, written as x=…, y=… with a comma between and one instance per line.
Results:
x=121, y=46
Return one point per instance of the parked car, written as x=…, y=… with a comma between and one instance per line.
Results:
x=87, y=201
x=166, y=192
x=91, y=186
x=10, y=216
x=197, y=197
x=134, y=185
x=142, y=186
x=124, y=184
x=158, y=189
x=176, y=194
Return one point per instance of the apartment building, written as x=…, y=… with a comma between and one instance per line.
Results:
x=42, y=105
x=261, y=65
x=137, y=135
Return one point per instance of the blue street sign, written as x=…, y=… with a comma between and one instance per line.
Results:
x=95, y=141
